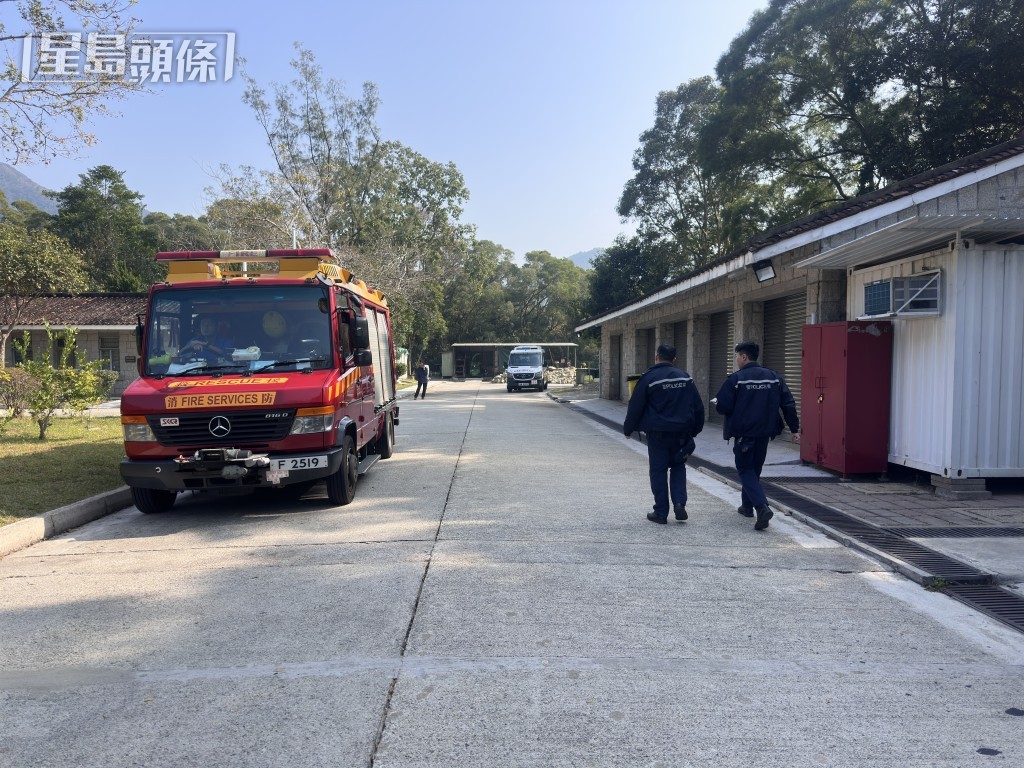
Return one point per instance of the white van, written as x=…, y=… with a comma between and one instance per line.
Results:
x=526, y=368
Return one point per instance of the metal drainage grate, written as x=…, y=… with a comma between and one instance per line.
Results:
x=978, y=532
x=935, y=563
x=999, y=603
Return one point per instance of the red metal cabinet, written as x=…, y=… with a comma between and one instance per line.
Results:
x=845, y=394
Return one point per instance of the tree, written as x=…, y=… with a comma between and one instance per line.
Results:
x=343, y=184
x=185, y=233
x=389, y=213
x=961, y=81
x=250, y=212
x=102, y=218
x=476, y=307
x=681, y=204
x=548, y=296
x=626, y=271
x=33, y=264
x=800, y=83
x=24, y=214
x=419, y=319
x=846, y=96
x=42, y=117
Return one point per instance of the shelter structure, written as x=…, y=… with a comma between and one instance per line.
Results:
x=485, y=360
x=939, y=256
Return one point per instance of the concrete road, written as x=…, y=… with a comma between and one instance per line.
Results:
x=493, y=597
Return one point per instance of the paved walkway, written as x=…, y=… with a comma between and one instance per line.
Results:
x=977, y=532
x=492, y=598
x=905, y=503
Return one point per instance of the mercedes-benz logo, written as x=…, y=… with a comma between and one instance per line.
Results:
x=220, y=426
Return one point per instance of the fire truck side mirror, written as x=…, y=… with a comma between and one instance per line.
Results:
x=360, y=333
x=138, y=338
x=363, y=357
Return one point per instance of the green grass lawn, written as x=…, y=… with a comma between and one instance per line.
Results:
x=73, y=463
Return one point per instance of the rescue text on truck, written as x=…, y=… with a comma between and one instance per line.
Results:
x=258, y=369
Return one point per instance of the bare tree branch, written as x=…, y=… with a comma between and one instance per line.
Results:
x=45, y=116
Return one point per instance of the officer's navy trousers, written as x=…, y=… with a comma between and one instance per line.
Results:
x=750, y=453
x=667, y=475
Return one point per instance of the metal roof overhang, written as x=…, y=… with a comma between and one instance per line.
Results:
x=915, y=235
x=489, y=344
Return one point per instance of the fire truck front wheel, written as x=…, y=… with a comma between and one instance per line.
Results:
x=151, y=501
x=341, y=486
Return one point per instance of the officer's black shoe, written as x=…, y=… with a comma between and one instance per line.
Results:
x=764, y=514
x=680, y=511
x=655, y=519
x=745, y=511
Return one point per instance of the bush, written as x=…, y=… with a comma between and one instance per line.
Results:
x=89, y=386
x=16, y=388
x=400, y=369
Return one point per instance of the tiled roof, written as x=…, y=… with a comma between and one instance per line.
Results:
x=86, y=309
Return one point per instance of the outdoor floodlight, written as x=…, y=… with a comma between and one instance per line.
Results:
x=763, y=270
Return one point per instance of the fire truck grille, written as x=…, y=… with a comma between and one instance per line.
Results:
x=231, y=428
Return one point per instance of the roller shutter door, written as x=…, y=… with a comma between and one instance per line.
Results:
x=783, y=328
x=720, y=364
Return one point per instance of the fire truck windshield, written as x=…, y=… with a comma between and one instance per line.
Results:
x=199, y=331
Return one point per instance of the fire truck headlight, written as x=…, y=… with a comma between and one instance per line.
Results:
x=136, y=430
x=309, y=421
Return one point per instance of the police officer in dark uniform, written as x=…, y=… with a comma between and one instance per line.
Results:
x=666, y=405
x=751, y=399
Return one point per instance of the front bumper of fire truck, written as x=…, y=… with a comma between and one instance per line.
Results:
x=227, y=469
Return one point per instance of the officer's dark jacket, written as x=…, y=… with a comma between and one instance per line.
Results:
x=665, y=399
x=751, y=399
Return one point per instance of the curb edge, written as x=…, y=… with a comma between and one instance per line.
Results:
x=32, y=530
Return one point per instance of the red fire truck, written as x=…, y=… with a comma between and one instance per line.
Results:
x=258, y=369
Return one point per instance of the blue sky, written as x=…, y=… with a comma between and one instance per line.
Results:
x=539, y=104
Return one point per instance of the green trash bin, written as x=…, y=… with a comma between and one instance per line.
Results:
x=631, y=380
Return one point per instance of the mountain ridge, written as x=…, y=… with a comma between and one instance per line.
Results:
x=583, y=258
x=17, y=186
